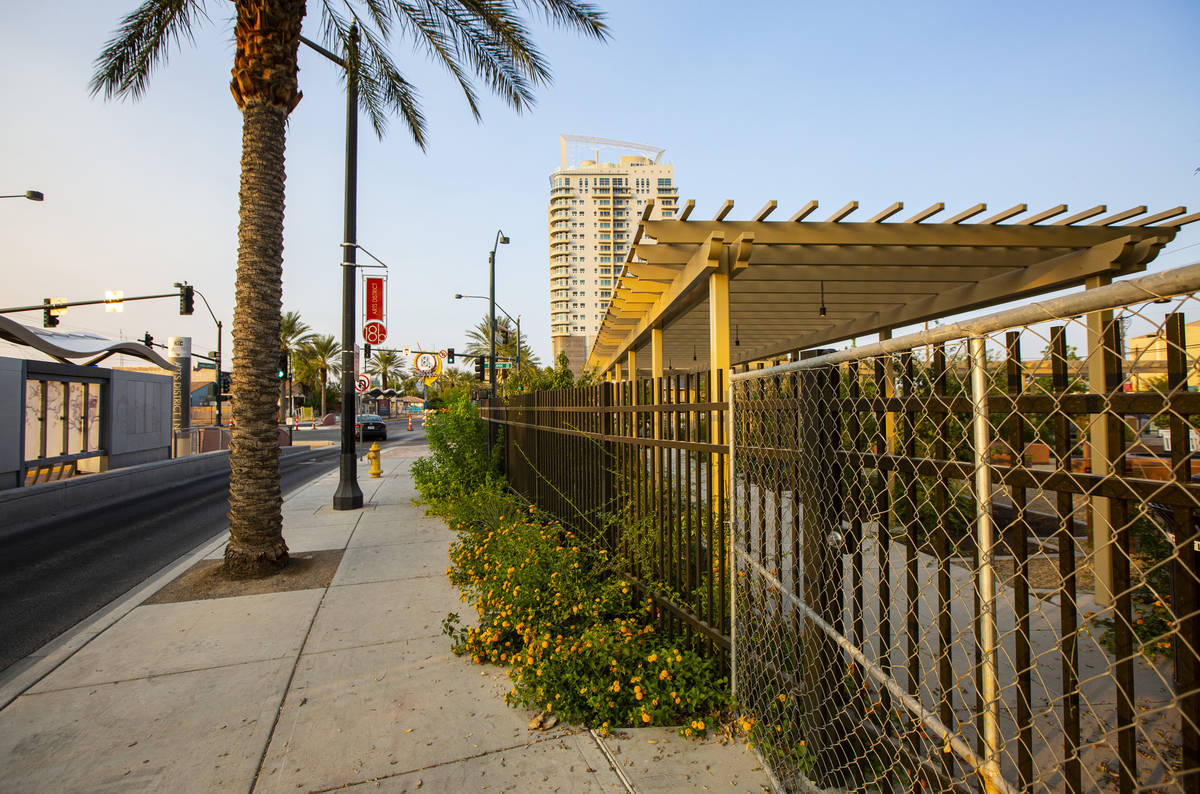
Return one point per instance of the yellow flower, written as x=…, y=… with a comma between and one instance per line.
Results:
x=645, y=717
x=652, y=657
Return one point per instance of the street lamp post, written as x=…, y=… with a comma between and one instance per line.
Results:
x=500, y=240
x=348, y=495
x=32, y=195
x=517, y=320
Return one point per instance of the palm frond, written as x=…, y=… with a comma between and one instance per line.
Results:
x=485, y=40
x=141, y=44
x=570, y=14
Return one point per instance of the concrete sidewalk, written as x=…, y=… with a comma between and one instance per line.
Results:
x=350, y=685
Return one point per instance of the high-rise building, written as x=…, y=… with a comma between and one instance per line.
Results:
x=594, y=211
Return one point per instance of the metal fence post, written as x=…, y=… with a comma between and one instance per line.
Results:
x=985, y=581
x=819, y=485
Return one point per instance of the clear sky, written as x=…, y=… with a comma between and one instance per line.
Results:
x=1036, y=102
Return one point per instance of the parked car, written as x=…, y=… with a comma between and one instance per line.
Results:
x=367, y=426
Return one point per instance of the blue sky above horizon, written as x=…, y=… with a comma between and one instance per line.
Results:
x=1082, y=103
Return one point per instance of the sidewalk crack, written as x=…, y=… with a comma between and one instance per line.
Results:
x=484, y=754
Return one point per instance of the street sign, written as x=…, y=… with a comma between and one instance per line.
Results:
x=427, y=364
x=206, y=365
x=408, y=352
x=362, y=383
x=179, y=347
x=500, y=365
x=374, y=332
x=441, y=354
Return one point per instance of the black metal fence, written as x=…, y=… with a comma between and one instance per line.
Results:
x=640, y=469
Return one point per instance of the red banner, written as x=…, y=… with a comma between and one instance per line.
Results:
x=374, y=299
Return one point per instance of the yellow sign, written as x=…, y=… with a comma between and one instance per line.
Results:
x=306, y=413
x=437, y=371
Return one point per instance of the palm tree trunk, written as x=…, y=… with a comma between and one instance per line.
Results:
x=256, y=546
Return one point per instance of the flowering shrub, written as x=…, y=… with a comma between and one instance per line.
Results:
x=577, y=642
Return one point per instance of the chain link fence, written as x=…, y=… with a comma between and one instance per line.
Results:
x=966, y=560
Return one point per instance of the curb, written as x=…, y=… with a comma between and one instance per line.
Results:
x=24, y=673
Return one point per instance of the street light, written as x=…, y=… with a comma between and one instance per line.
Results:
x=517, y=320
x=348, y=495
x=180, y=285
x=500, y=240
x=32, y=195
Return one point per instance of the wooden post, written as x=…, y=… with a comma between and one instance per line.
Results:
x=718, y=347
x=1098, y=446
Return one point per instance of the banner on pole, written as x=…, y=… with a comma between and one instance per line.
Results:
x=373, y=302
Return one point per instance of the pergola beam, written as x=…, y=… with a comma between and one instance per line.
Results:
x=770, y=279
x=893, y=234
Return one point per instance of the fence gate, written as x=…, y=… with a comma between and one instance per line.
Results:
x=966, y=560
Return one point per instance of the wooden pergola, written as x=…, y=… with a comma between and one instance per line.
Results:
x=705, y=295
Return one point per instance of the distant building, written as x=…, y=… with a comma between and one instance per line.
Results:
x=1147, y=357
x=594, y=211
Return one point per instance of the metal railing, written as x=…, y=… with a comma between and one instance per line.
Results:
x=964, y=560
x=639, y=469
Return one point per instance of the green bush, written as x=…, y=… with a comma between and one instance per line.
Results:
x=459, y=463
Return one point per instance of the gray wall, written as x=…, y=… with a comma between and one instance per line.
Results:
x=12, y=398
x=141, y=418
x=135, y=419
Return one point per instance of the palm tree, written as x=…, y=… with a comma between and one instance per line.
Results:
x=322, y=353
x=490, y=40
x=479, y=345
x=293, y=332
x=386, y=364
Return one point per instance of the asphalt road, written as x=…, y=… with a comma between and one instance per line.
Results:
x=50, y=582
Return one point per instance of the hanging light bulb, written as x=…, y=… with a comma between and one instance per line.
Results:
x=737, y=340
x=821, y=312
x=693, y=352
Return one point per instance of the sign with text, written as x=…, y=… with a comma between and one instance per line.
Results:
x=374, y=332
x=373, y=299
x=427, y=364
x=179, y=347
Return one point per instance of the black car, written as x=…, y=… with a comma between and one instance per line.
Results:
x=367, y=426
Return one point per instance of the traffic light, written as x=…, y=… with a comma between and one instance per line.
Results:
x=49, y=320
x=366, y=350
x=282, y=368
x=479, y=367
x=449, y=355
x=504, y=336
x=226, y=383
x=147, y=340
x=187, y=302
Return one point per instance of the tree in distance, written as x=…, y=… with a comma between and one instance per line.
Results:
x=322, y=353
x=387, y=365
x=478, y=343
x=486, y=41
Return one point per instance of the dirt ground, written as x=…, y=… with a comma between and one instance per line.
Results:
x=206, y=579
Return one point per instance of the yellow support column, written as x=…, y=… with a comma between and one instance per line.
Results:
x=1100, y=455
x=718, y=353
x=631, y=361
x=617, y=372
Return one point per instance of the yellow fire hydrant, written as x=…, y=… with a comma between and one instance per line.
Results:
x=373, y=456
